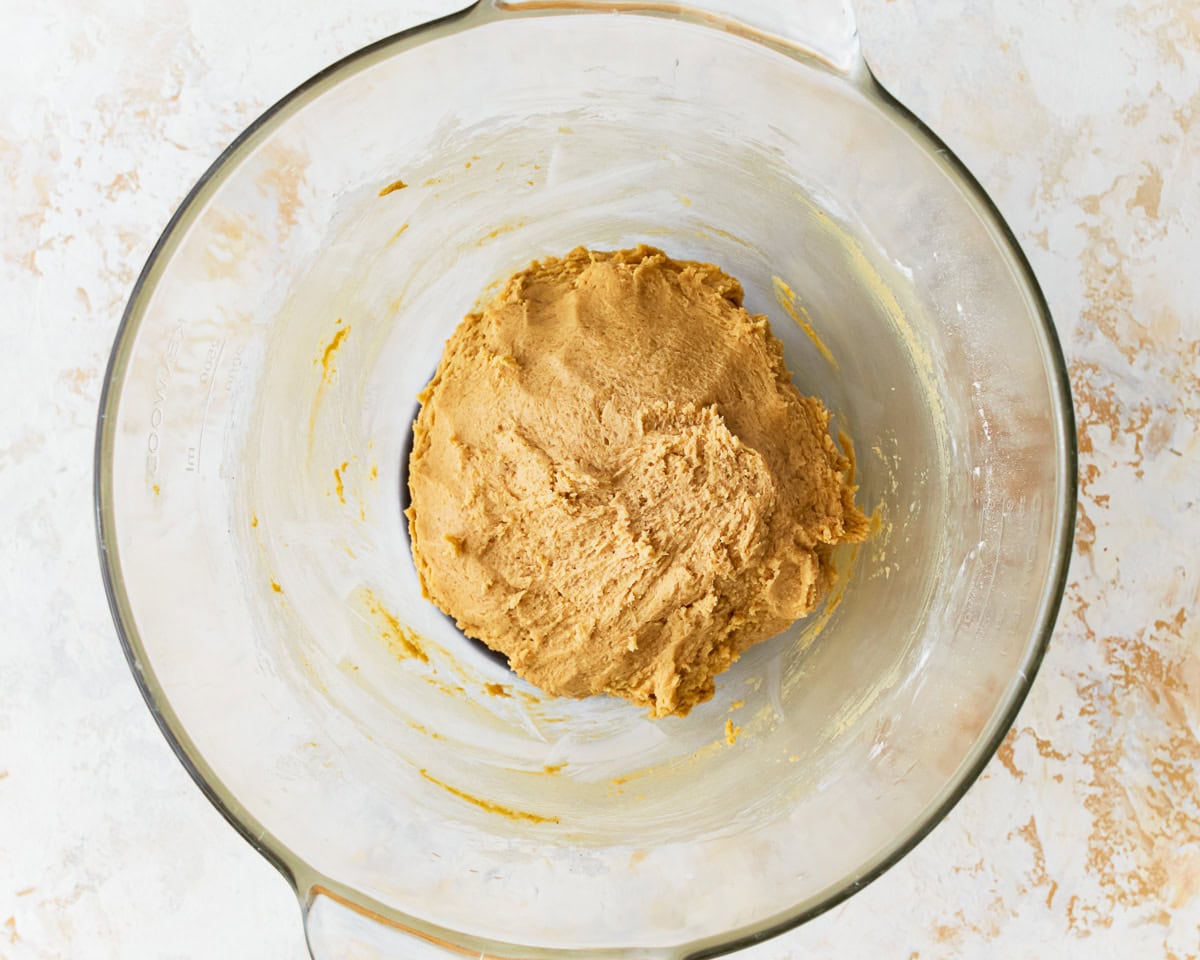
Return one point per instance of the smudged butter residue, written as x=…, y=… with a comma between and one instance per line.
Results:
x=328, y=367
x=328, y=374
x=505, y=228
x=396, y=236
x=796, y=310
x=487, y=804
x=339, y=482
x=432, y=734
x=400, y=640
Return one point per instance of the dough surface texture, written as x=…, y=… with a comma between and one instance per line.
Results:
x=615, y=482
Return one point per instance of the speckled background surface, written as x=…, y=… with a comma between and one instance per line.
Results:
x=1082, y=120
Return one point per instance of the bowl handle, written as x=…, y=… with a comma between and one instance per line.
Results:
x=824, y=30
x=339, y=929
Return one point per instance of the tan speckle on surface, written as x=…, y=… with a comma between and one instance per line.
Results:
x=1005, y=755
x=1148, y=194
x=79, y=380
x=124, y=182
x=231, y=238
x=283, y=179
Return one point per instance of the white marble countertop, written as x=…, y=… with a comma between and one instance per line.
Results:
x=1082, y=839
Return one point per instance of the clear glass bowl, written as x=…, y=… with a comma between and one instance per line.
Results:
x=252, y=439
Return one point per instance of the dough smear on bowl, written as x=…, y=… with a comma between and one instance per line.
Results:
x=615, y=482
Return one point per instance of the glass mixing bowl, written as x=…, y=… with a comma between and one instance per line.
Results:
x=253, y=434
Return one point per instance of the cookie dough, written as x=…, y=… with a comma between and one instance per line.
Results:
x=616, y=484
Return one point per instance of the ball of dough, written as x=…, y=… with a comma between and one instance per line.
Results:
x=616, y=484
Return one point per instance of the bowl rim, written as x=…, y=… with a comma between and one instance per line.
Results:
x=308, y=882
